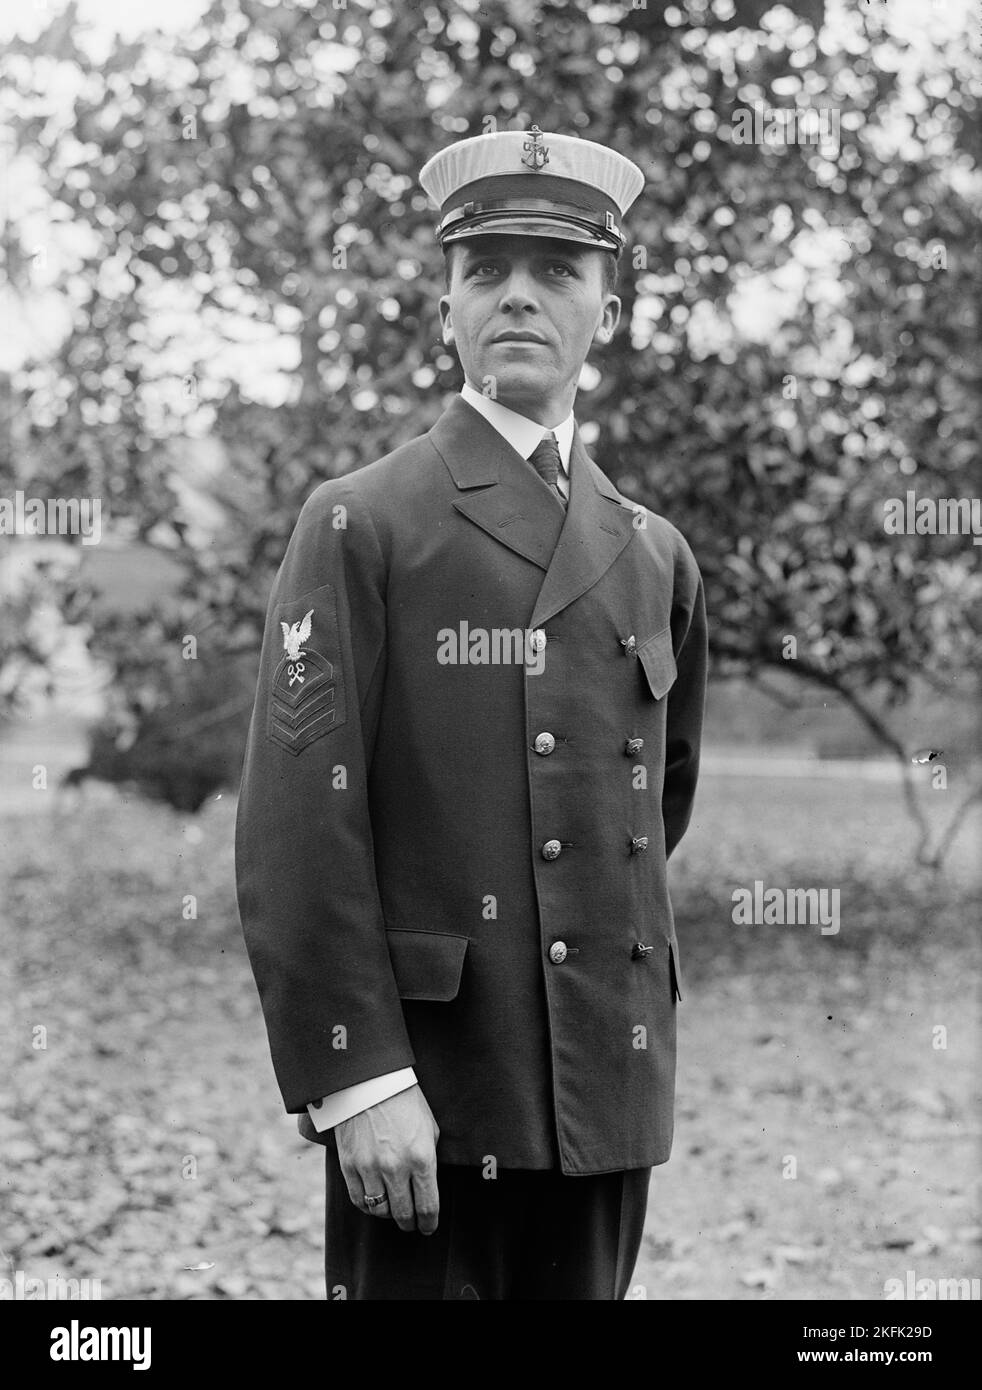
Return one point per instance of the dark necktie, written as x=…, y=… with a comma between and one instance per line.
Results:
x=546, y=462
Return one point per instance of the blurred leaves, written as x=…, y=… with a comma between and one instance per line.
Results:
x=234, y=165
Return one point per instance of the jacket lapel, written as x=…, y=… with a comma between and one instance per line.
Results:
x=598, y=527
x=501, y=493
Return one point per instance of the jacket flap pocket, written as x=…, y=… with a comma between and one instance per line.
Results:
x=426, y=964
x=658, y=660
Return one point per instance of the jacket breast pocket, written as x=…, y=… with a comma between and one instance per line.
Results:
x=426, y=964
x=658, y=663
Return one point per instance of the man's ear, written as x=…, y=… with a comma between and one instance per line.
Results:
x=445, y=319
x=609, y=318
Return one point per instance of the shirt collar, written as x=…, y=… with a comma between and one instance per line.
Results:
x=517, y=430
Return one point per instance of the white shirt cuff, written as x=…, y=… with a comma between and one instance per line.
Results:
x=341, y=1105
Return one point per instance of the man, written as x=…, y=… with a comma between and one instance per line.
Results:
x=474, y=747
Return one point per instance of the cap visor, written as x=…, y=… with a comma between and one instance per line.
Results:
x=555, y=228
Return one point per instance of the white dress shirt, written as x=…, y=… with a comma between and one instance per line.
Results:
x=523, y=435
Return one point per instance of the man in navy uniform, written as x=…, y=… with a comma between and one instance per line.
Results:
x=474, y=747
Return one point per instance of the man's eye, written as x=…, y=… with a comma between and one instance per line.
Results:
x=482, y=267
x=563, y=267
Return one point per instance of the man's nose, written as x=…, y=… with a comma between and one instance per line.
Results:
x=518, y=291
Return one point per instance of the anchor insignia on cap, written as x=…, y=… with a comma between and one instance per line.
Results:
x=537, y=154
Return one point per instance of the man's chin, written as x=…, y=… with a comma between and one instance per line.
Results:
x=517, y=386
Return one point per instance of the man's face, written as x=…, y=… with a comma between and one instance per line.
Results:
x=522, y=313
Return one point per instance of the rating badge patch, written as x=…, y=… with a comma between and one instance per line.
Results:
x=306, y=692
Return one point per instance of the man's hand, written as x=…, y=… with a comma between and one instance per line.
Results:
x=391, y=1148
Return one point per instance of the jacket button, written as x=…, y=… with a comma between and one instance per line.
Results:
x=552, y=849
x=558, y=952
x=639, y=844
x=538, y=640
x=544, y=744
x=630, y=645
x=633, y=746
x=639, y=950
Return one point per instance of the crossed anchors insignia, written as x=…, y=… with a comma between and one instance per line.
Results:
x=293, y=639
x=538, y=154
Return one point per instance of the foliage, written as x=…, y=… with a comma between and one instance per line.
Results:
x=267, y=168
x=184, y=746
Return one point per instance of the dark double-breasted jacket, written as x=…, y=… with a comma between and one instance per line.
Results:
x=474, y=746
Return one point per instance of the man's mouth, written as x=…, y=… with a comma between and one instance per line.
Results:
x=517, y=336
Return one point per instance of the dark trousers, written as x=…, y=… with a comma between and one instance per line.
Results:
x=521, y=1235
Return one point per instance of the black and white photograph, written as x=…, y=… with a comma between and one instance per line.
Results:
x=490, y=677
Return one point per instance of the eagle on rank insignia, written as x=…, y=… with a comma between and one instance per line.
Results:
x=303, y=701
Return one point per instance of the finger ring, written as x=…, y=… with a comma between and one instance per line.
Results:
x=378, y=1201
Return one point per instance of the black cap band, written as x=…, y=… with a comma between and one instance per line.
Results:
x=470, y=219
x=551, y=188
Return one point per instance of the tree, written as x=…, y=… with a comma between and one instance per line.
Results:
x=265, y=165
